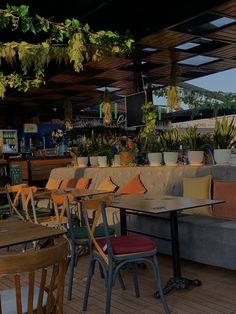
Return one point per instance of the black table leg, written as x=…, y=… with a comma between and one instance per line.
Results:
x=123, y=222
x=177, y=281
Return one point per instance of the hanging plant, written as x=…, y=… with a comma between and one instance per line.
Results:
x=173, y=99
x=106, y=108
x=66, y=42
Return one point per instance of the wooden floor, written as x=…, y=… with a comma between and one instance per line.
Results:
x=216, y=295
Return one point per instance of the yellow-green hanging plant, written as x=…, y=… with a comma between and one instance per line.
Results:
x=66, y=42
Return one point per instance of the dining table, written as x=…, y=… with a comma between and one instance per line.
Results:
x=14, y=231
x=149, y=204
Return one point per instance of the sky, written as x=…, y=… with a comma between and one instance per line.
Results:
x=224, y=81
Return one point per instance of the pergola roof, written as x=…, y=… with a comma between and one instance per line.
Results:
x=198, y=36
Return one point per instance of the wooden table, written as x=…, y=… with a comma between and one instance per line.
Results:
x=14, y=231
x=148, y=204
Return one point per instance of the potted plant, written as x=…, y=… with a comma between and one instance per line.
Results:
x=171, y=142
x=105, y=152
x=224, y=136
x=195, y=142
x=154, y=148
x=128, y=150
x=82, y=155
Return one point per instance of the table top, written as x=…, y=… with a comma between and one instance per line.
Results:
x=86, y=192
x=14, y=231
x=155, y=204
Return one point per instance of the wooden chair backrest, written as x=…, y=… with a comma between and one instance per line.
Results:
x=95, y=205
x=28, y=202
x=13, y=196
x=59, y=204
x=45, y=268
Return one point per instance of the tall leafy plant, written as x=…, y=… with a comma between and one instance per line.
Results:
x=224, y=135
x=193, y=139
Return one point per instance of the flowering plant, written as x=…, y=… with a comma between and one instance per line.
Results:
x=57, y=136
x=129, y=146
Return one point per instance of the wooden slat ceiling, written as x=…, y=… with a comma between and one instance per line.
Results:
x=155, y=66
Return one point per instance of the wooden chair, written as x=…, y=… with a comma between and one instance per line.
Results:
x=31, y=212
x=113, y=253
x=13, y=196
x=37, y=279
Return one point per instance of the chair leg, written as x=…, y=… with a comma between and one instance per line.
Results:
x=135, y=279
x=109, y=289
x=158, y=281
x=71, y=274
x=121, y=281
x=89, y=279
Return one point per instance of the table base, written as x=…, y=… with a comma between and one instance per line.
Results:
x=178, y=283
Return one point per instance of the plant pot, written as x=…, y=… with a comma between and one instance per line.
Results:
x=170, y=158
x=126, y=158
x=155, y=159
x=93, y=161
x=116, y=160
x=195, y=157
x=222, y=156
x=102, y=161
x=82, y=162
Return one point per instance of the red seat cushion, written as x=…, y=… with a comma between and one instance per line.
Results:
x=129, y=244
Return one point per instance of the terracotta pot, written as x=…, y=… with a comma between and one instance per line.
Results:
x=126, y=158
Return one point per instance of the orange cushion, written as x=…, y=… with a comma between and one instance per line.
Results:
x=107, y=185
x=225, y=190
x=134, y=186
x=69, y=183
x=53, y=184
x=83, y=183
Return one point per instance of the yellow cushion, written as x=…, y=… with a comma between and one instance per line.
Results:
x=134, y=186
x=200, y=188
x=107, y=185
x=53, y=184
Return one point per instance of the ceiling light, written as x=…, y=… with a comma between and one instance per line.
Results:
x=109, y=89
x=223, y=21
x=187, y=45
x=198, y=60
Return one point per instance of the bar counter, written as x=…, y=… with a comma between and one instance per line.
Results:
x=39, y=168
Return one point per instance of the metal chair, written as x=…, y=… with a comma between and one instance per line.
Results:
x=113, y=253
x=37, y=277
x=78, y=234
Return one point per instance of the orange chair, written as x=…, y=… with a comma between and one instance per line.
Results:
x=13, y=196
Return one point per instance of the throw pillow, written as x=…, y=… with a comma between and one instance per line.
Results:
x=134, y=186
x=107, y=185
x=83, y=183
x=53, y=184
x=199, y=187
x=69, y=183
x=225, y=190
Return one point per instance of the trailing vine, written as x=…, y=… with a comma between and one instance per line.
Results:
x=65, y=42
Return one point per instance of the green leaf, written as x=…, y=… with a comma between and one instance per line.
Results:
x=23, y=10
x=75, y=23
x=25, y=25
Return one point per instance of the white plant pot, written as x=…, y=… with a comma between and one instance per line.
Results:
x=195, y=157
x=102, y=161
x=155, y=159
x=93, y=161
x=170, y=158
x=116, y=161
x=82, y=162
x=222, y=156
